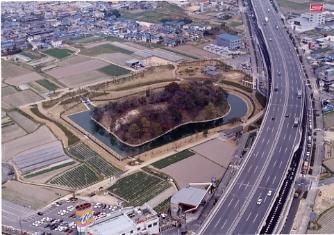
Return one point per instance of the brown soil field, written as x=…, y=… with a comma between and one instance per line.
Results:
x=32, y=196
x=9, y=70
x=129, y=47
x=194, y=169
x=41, y=136
x=7, y=90
x=195, y=51
x=82, y=79
x=134, y=45
x=11, y=132
x=73, y=60
x=116, y=58
x=76, y=69
x=26, y=123
x=19, y=98
x=23, y=79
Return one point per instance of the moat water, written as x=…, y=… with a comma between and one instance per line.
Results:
x=238, y=109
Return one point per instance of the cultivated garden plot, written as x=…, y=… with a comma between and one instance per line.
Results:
x=84, y=154
x=78, y=177
x=58, y=53
x=172, y=159
x=139, y=188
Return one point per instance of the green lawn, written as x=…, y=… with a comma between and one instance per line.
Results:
x=47, y=84
x=172, y=159
x=58, y=53
x=114, y=70
x=104, y=48
x=138, y=188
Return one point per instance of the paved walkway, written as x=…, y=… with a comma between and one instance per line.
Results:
x=162, y=196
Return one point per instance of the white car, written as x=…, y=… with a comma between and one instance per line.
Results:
x=269, y=193
x=259, y=201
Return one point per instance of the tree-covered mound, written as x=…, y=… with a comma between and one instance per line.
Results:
x=138, y=119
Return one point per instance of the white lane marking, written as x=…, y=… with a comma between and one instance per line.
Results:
x=255, y=217
x=223, y=225
x=249, y=215
x=274, y=179
x=280, y=164
x=236, y=204
x=280, y=148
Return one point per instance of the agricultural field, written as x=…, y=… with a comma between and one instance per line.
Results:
x=8, y=90
x=116, y=58
x=19, y=98
x=163, y=11
x=139, y=188
x=78, y=177
x=26, y=123
x=193, y=52
x=10, y=70
x=39, y=137
x=31, y=196
x=79, y=71
x=172, y=159
x=47, y=84
x=85, y=154
x=23, y=79
x=11, y=132
x=104, y=48
x=41, y=157
x=114, y=70
x=58, y=53
x=32, y=55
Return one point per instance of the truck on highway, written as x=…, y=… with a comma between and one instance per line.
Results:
x=266, y=19
x=299, y=94
x=296, y=122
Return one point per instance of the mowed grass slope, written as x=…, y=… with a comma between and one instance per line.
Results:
x=104, y=48
x=58, y=53
x=172, y=159
x=139, y=188
x=114, y=70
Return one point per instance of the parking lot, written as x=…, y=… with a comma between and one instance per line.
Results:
x=59, y=218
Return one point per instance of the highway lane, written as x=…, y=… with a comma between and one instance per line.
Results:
x=268, y=160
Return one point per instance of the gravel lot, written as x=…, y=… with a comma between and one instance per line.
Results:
x=217, y=150
x=195, y=169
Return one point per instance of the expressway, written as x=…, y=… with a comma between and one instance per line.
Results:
x=268, y=161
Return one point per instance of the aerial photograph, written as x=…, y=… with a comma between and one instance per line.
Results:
x=194, y=117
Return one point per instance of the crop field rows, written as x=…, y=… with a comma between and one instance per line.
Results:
x=139, y=188
x=84, y=154
x=78, y=177
x=172, y=159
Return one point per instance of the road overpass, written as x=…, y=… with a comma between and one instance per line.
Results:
x=266, y=165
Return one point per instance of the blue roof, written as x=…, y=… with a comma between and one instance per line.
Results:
x=228, y=37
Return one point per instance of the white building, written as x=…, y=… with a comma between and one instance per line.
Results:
x=307, y=21
x=56, y=43
x=128, y=221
